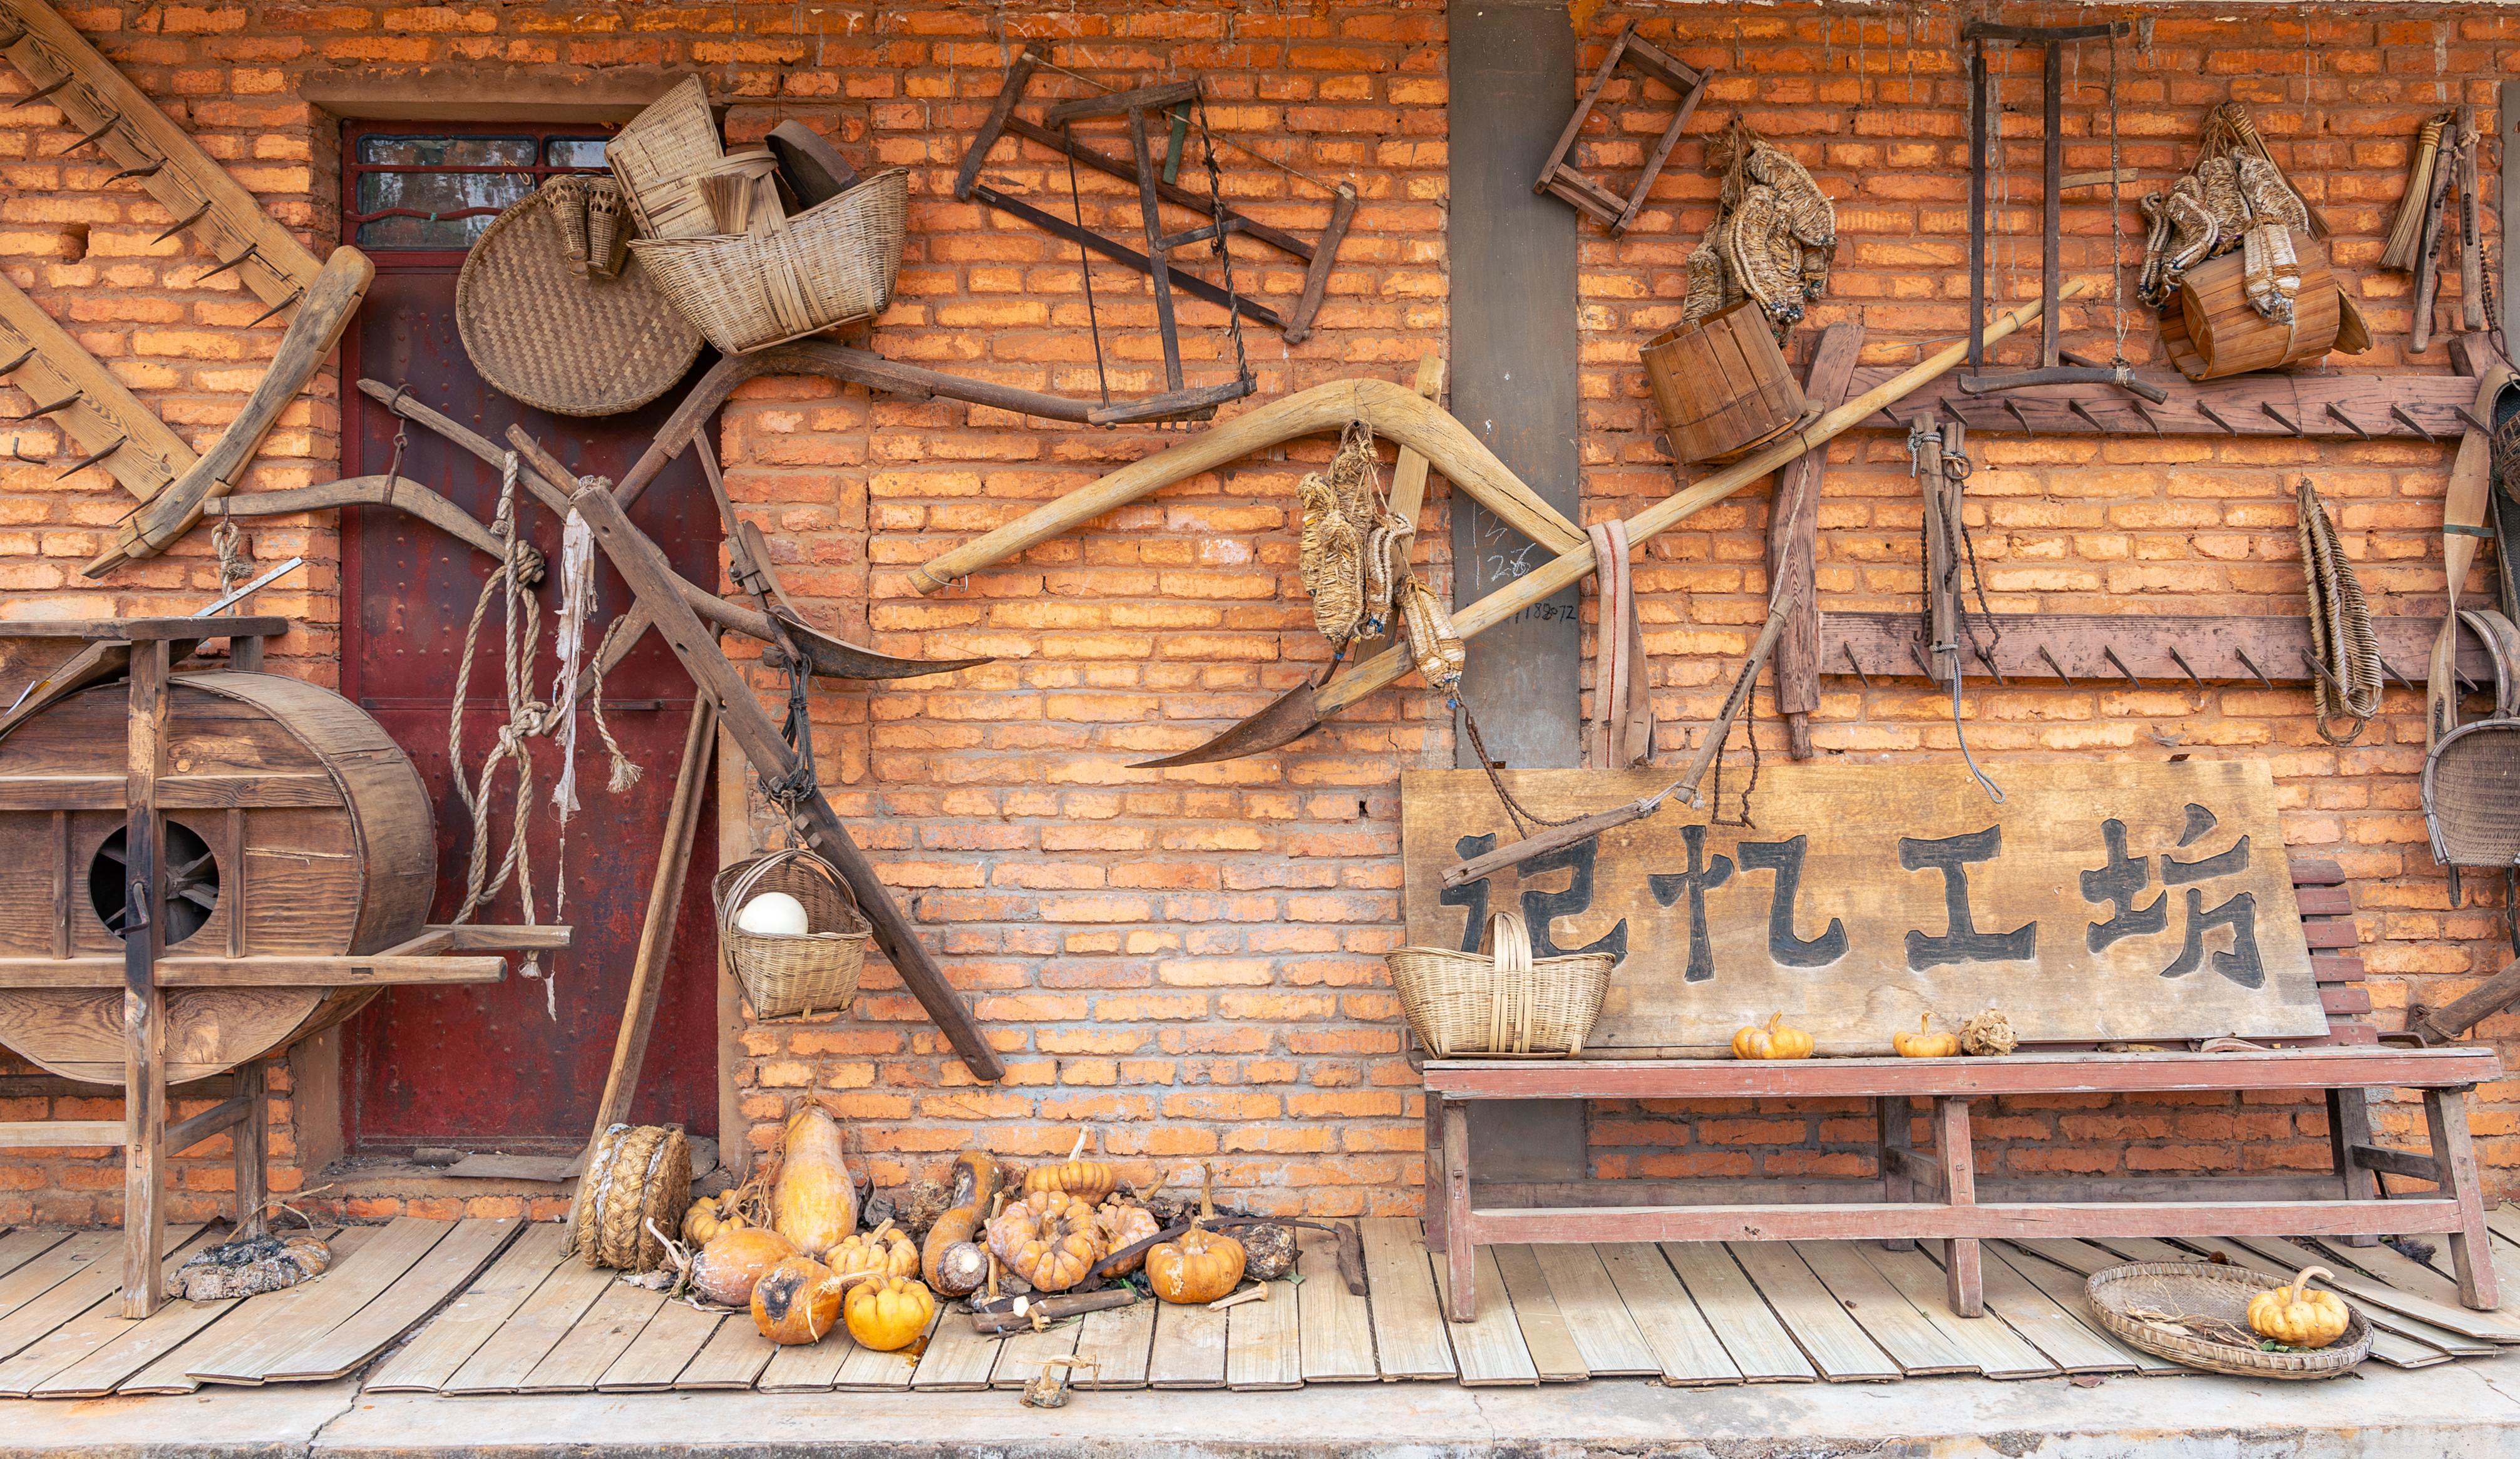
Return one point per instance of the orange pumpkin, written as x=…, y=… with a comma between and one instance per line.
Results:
x=1048, y=1238
x=711, y=1215
x=797, y=1300
x=1123, y=1224
x=1199, y=1266
x=882, y=1253
x=1089, y=1180
x=727, y=1267
x=973, y=1183
x=889, y=1315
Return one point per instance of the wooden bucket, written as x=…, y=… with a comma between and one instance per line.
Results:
x=1721, y=386
x=2212, y=333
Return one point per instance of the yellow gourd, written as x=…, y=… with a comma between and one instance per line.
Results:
x=1777, y=1040
x=1088, y=1181
x=889, y=1315
x=815, y=1203
x=1924, y=1046
x=797, y=1302
x=974, y=1181
x=2298, y=1317
x=1199, y=1266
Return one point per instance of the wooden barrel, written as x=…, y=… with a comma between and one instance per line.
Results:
x=1722, y=385
x=2211, y=332
x=294, y=825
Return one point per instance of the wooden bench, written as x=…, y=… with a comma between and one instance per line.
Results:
x=1932, y=1195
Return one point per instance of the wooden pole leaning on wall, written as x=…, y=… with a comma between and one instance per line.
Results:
x=1793, y=541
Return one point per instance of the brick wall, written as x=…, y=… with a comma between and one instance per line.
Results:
x=1189, y=960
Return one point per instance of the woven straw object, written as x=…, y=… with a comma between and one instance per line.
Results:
x=1342, y=509
x=661, y=157
x=2216, y=1298
x=782, y=976
x=1503, y=1005
x=1775, y=234
x=548, y=336
x=635, y=1175
x=831, y=265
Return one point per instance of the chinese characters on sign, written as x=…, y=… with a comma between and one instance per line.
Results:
x=2100, y=903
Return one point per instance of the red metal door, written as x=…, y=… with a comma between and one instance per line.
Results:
x=494, y=1067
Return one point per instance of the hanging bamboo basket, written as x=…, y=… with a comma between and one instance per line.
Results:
x=784, y=976
x=1721, y=386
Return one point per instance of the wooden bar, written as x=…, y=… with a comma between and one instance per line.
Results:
x=1959, y=1170
x=1793, y=535
x=2013, y=1220
x=276, y=971
x=2471, y=1253
x=1884, y=646
x=1460, y=1292
x=2433, y=401
x=2020, y=1074
x=144, y=1003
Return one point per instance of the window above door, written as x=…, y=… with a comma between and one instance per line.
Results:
x=435, y=189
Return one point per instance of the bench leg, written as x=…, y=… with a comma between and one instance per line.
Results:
x=1437, y=1192
x=1897, y=1185
x=1962, y=1272
x=2471, y=1250
x=1461, y=1255
x=2349, y=1124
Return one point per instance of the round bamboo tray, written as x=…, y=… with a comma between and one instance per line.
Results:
x=556, y=339
x=1721, y=386
x=2218, y=1295
x=2211, y=332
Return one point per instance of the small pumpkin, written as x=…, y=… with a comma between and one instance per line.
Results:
x=1199, y=1266
x=1048, y=1238
x=883, y=1252
x=1125, y=1223
x=797, y=1300
x=815, y=1203
x=889, y=1314
x=1777, y=1040
x=961, y=1268
x=725, y=1270
x=1989, y=1036
x=973, y=1182
x=1922, y=1045
x=1089, y=1180
x=711, y=1215
x=2298, y=1317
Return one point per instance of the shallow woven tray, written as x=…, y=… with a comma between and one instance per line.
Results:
x=2208, y=1289
x=542, y=332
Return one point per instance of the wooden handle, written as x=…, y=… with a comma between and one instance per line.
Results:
x=1778, y=615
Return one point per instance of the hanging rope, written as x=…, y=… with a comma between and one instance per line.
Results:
x=518, y=634
x=2344, y=653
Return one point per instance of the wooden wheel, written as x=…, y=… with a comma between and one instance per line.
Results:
x=294, y=825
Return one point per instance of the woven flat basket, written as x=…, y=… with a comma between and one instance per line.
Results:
x=785, y=976
x=2208, y=1290
x=1503, y=1004
x=550, y=336
x=831, y=265
x=636, y=1174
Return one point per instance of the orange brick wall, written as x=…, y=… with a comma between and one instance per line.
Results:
x=1189, y=960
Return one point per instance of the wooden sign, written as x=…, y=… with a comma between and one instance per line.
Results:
x=2100, y=901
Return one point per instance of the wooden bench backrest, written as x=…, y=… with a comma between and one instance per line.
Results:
x=2327, y=919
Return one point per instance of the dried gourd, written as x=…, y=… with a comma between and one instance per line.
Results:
x=973, y=1182
x=815, y=1203
x=1199, y=1266
x=1048, y=1238
x=883, y=1252
x=2298, y=1317
x=1989, y=1036
x=1922, y=1045
x=797, y=1300
x=961, y=1268
x=1268, y=1252
x=1777, y=1040
x=1089, y=1180
x=889, y=1315
x=727, y=1267
x=1125, y=1223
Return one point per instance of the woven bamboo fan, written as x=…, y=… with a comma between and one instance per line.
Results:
x=2197, y=1313
x=556, y=339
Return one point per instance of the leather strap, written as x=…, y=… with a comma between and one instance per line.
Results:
x=1622, y=733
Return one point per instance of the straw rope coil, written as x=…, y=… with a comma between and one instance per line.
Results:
x=638, y=1181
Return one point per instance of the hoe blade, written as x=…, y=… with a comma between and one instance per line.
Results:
x=1295, y=713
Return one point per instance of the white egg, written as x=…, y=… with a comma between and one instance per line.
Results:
x=773, y=914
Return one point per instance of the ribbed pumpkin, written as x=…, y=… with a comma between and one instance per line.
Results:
x=974, y=1180
x=797, y=1300
x=711, y=1215
x=889, y=1315
x=725, y=1270
x=1777, y=1040
x=1089, y=1180
x=2298, y=1317
x=1048, y=1238
x=1199, y=1266
x=815, y=1204
x=883, y=1252
x=1125, y=1223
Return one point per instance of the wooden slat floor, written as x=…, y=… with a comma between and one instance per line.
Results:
x=1698, y=1314
x=492, y=1308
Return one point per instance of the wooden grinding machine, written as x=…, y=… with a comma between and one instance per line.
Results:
x=207, y=868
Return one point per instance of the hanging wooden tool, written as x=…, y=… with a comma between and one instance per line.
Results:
x=1560, y=178
x=67, y=387
x=1793, y=541
x=1318, y=254
x=2454, y=167
x=2463, y=507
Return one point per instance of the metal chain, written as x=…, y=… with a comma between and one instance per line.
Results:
x=1224, y=254
x=1084, y=266
x=1714, y=794
x=2117, y=222
x=1514, y=810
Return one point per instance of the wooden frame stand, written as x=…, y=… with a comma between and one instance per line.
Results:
x=1558, y=177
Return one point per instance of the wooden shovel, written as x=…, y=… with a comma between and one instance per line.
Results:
x=2464, y=508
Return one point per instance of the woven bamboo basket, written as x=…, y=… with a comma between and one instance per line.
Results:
x=2215, y=1297
x=1503, y=1004
x=832, y=264
x=659, y=158
x=1721, y=386
x=638, y=1182
x=784, y=976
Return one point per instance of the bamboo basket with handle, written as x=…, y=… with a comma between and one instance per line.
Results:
x=1505, y=1003
x=787, y=975
x=830, y=265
